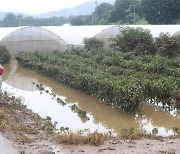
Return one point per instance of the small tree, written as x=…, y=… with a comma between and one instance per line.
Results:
x=136, y=40
x=4, y=54
x=93, y=44
x=168, y=45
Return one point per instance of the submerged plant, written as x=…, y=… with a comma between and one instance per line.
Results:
x=176, y=130
x=42, y=88
x=155, y=131
x=127, y=132
x=81, y=113
x=60, y=101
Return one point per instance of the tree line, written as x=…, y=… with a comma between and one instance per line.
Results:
x=122, y=12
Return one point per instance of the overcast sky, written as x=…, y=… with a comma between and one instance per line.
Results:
x=32, y=7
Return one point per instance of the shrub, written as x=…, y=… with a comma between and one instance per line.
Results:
x=4, y=54
x=135, y=40
x=168, y=45
x=93, y=44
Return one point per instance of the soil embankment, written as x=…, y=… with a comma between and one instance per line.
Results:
x=27, y=131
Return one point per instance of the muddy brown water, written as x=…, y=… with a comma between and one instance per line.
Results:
x=18, y=81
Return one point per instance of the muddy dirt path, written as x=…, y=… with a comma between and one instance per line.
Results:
x=6, y=147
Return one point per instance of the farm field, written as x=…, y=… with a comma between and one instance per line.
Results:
x=122, y=80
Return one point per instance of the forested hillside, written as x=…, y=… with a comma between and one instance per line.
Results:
x=121, y=12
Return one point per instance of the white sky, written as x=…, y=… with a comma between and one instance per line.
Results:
x=32, y=7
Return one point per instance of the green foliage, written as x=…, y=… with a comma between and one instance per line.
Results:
x=77, y=21
x=142, y=21
x=45, y=124
x=93, y=44
x=131, y=18
x=155, y=131
x=82, y=20
x=122, y=80
x=103, y=8
x=81, y=113
x=4, y=54
x=10, y=20
x=135, y=40
x=161, y=11
x=176, y=130
x=102, y=13
x=64, y=130
x=178, y=21
x=127, y=132
x=168, y=45
x=119, y=11
x=125, y=10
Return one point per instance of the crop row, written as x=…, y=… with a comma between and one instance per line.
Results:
x=121, y=80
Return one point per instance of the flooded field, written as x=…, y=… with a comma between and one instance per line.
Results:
x=18, y=81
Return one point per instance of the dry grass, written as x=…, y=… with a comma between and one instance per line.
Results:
x=76, y=138
x=24, y=138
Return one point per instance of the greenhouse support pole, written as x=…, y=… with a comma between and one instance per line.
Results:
x=134, y=14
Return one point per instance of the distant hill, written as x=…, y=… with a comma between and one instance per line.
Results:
x=83, y=9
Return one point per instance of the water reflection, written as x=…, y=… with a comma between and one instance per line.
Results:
x=159, y=118
x=19, y=77
x=102, y=117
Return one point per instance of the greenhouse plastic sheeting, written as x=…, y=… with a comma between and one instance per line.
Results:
x=32, y=39
x=109, y=33
x=7, y=30
x=74, y=35
x=60, y=38
x=177, y=33
x=47, y=38
x=157, y=29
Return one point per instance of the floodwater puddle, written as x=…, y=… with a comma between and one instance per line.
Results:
x=18, y=81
